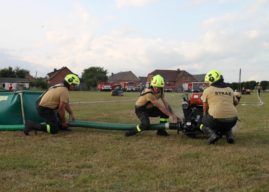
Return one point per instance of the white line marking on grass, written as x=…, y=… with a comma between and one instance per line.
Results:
x=260, y=103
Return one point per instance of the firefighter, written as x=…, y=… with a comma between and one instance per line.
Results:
x=147, y=105
x=219, y=112
x=52, y=105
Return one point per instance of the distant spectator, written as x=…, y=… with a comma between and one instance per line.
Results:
x=259, y=87
x=10, y=87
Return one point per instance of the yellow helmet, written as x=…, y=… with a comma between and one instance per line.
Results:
x=157, y=81
x=72, y=79
x=213, y=76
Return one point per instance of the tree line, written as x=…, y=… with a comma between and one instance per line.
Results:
x=249, y=85
x=92, y=76
x=14, y=73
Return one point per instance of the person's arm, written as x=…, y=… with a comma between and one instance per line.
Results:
x=205, y=108
x=61, y=111
x=166, y=104
x=64, y=106
x=205, y=103
x=70, y=111
x=169, y=108
x=164, y=110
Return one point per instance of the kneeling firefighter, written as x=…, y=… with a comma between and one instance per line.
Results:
x=147, y=105
x=51, y=106
x=219, y=112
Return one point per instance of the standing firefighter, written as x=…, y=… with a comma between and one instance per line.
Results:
x=147, y=105
x=52, y=105
x=219, y=112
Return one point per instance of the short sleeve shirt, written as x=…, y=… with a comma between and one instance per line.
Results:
x=52, y=98
x=220, y=102
x=146, y=97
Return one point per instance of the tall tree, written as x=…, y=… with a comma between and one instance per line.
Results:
x=21, y=73
x=94, y=75
x=7, y=72
x=17, y=72
x=264, y=85
x=39, y=83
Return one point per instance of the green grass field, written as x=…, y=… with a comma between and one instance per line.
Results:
x=94, y=160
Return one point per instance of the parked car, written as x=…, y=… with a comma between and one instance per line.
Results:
x=117, y=91
x=246, y=91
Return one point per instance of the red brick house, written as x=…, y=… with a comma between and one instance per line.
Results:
x=200, y=77
x=58, y=75
x=173, y=78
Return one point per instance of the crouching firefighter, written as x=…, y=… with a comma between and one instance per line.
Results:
x=219, y=112
x=147, y=105
x=51, y=106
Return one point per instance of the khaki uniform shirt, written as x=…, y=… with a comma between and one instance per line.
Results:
x=220, y=102
x=54, y=96
x=145, y=99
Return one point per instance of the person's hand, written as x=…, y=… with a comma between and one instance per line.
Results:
x=65, y=125
x=71, y=117
x=174, y=118
x=178, y=120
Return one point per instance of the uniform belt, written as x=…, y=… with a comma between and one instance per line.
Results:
x=41, y=107
x=227, y=119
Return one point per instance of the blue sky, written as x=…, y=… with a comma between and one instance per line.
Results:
x=137, y=35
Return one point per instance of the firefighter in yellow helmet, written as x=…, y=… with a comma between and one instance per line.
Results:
x=51, y=106
x=219, y=112
x=147, y=105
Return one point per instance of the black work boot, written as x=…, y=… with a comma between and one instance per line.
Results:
x=229, y=137
x=31, y=126
x=131, y=132
x=162, y=132
x=213, y=137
